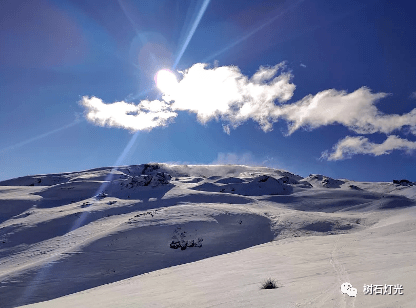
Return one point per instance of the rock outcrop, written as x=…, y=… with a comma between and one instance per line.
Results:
x=403, y=182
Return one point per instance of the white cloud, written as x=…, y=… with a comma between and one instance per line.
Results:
x=226, y=129
x=224, y=93
x=303, y=65
x=355, y=110
x=211, y=93
x=350, y=146
x=144, y=116
x=413, y=95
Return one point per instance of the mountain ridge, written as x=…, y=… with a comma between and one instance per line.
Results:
x=104, y=225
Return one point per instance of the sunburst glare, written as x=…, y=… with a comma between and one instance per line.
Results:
x=166, y=81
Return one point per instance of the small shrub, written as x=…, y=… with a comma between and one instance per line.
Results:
x=269, y=284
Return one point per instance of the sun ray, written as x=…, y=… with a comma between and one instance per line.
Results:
x=45, y=269
x=191, y=31
x=20, y=144
x=252, y=32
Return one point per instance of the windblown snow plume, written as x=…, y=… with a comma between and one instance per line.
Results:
x=225, y=93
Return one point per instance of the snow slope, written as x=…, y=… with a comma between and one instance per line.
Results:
x=159, y=235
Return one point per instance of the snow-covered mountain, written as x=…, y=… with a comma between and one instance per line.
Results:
x=159, y=235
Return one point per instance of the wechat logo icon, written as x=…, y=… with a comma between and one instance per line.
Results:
x=346, y=287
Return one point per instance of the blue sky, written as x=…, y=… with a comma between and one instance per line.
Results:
x=308, y=86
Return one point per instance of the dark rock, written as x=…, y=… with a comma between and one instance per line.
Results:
x=149, y=168
x=142, y=180
x=85, y=204
x=175, y=245
x=263, y=178
x=287, y=180
x=403, y=182
x=161, y=178
x=100, y=196
x=305, y=184
x=182, y=244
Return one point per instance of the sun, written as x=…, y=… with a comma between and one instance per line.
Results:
x=166, y=81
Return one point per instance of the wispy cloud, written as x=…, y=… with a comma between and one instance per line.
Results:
x=350, y=146
x=226, y=129
x=236, y=159
x=248, y=159
x=356, y=111
x=413, y=95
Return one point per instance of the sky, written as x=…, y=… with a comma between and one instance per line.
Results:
x=323, y=87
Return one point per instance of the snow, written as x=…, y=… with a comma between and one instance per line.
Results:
x=160, y=235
